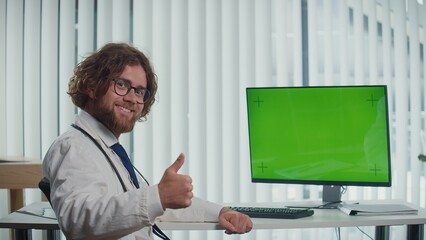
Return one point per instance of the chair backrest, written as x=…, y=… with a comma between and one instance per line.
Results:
x=44, y=186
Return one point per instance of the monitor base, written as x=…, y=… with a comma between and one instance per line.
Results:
x=313, y=204
x=331, y=198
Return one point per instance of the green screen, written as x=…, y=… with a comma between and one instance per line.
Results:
x=319, y=135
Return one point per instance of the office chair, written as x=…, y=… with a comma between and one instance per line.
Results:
x=44, y=186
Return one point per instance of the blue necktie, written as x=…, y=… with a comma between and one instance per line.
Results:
x=126, y=162
x=119, y=150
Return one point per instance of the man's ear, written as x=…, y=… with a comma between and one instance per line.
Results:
x=91, y=93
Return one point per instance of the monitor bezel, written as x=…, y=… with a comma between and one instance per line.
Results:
x=321, y=182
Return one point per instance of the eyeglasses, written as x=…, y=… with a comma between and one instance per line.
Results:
x=122, y=87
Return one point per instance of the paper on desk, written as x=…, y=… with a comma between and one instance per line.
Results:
x=376, y=209
x=41, y=212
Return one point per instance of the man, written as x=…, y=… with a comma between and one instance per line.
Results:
x=93, y=195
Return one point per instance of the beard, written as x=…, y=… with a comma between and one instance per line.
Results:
x=105, y=114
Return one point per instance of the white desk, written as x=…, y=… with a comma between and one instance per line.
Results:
x=323, y=218
x=23, y=223
x=326, y=218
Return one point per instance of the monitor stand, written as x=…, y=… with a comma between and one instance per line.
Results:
x=331, y=198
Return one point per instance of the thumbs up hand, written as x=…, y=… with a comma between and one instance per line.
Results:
x=175, y=189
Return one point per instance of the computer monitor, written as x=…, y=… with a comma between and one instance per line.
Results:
x=320, y=135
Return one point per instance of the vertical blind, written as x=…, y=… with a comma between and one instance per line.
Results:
x=205, y=53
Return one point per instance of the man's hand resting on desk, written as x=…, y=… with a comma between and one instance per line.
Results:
x=234, y=222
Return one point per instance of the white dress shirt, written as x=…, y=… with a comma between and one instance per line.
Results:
x=88, y=198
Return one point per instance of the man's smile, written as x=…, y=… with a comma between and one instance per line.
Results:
x=125, y=109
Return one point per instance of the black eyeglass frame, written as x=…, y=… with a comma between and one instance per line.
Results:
x=145, y=92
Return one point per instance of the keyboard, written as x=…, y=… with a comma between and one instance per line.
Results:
x=268, y=212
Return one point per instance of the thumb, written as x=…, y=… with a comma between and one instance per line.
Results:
x=177, y=164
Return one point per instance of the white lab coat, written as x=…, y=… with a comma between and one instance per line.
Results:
x=88, y=198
